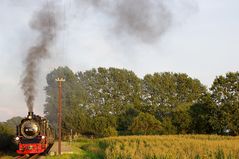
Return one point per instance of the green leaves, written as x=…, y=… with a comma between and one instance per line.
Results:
x=110, y=90
x=218, y=112
x=7, y=137
x=146, y=124
x=125, y=119
x=73, y=95
x=101, y=101
x=181, y=118
x=225, y=94
x=162, y=92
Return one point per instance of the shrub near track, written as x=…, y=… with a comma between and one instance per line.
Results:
x=169, y=147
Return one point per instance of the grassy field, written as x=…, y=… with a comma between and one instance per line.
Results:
x=166, y=147
x=77, y=151
x=154, y=147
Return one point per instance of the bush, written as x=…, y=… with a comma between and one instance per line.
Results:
x=146, y=124
x=110, y=131
x=7, y=142
x=104, y=126
x=168, y=127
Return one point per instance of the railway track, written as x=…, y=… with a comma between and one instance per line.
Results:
x=28, y=157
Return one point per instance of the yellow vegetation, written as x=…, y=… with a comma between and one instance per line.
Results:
x=171, y=147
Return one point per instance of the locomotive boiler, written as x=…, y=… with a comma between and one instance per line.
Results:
x=34, y=135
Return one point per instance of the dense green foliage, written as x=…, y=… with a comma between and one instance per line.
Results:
x=106, y=102
x=225, y=95
x=163, y=92
x=145, y=123
x=7, y=134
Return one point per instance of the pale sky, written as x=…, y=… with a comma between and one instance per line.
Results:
x=203, y=42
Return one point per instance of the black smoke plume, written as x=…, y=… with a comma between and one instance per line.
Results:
x=45, y=23
x=145, y=20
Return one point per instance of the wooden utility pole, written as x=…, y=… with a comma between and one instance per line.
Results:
x=59, y=80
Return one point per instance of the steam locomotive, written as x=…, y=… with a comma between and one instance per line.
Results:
x=34, y=135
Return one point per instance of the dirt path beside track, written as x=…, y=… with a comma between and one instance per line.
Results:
x=65, y=148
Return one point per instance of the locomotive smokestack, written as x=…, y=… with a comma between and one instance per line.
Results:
x=30, y=115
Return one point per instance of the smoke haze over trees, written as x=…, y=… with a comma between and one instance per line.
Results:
x=105, y=102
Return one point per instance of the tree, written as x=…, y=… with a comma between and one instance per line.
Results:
x=203, y=115
x=181, y=118
x=110, y=131
x=145, y=123
x=7, y=137
x=13, y=122
x=168, y=127
x=75, y=120
x=103, y=126
x=126, y=118
x=110, y=90
x=225, y=94
x=162, y=92
x=226, y=89
x=73, y=98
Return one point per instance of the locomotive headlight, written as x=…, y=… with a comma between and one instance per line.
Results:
x=30, y=129
x=43, y=137
x=17, y=138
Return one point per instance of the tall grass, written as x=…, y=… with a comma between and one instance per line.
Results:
x=168, y=147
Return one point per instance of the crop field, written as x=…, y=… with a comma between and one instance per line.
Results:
x=166, y=147
x=153, y=147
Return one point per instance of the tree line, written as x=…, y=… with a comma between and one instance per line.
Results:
x=7, y=135
x=110, y=101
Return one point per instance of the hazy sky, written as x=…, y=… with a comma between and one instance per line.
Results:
x=203, y=41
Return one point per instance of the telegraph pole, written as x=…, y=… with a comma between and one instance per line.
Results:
x=59, y=80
